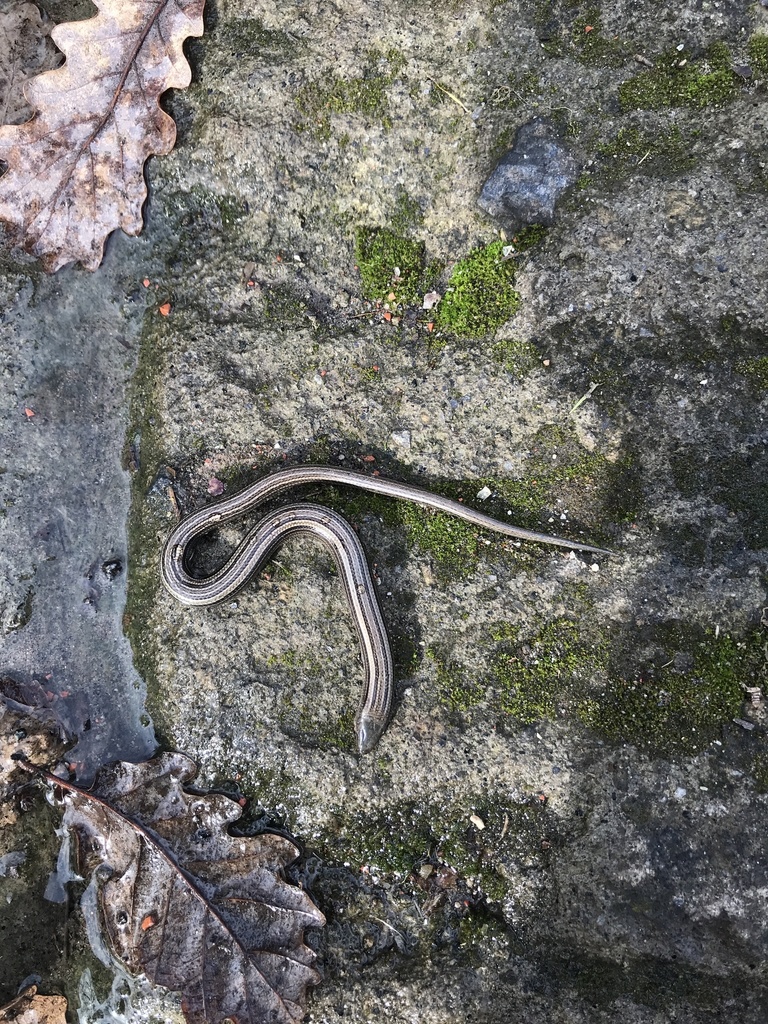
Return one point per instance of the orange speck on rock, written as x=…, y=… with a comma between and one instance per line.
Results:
x=387, y=315
x=589, y=28
x=146, y=282
x=430, y=326
x=165, y=309
x=369, y=458
x=149, y=922
x=29, y=413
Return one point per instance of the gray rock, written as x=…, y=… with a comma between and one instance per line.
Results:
x=529, y=178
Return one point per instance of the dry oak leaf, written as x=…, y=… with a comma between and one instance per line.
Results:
x=195, y=909
x=76, y=169
x=30, y=1008
x=31, y=732
x=25, y=51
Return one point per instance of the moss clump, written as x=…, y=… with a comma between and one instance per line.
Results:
x=679, y=81
x=150, y=510
x=365, y=94
x=480, y=295
x=592, y=47
x=680, y=707
x=284, y=307
x=453, y=545
x=409, y=834
x=656, y=154
x=515, y=357
x=755, y=370
x=758, y=54
x=391, y=266
x=407, y=213
x=529, y=237
x=455, y=689
x=535, y=673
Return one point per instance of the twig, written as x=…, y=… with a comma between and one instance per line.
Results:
x=450, y=94
x=592, y=387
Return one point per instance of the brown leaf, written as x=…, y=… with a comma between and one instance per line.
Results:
x=76, y=169
x=197, y=910
x=25, y=51
x=31, y=732
x=30, y=1008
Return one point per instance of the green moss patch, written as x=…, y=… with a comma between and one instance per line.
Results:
x=250, y=35
x=679, y=81
x=755, y=370
x=520, y=87
x=657, y=154
x=533, y=674
x=365, y=94
x=411, y=834
x=480, y=296
x=516, y=357
x=592, y=46
x=453, y=545
x=680, y=706
x=301, y=679
x=592, y=485
x=758, y=54
x=688, y=686
x=392, y=267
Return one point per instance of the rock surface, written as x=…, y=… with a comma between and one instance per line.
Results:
x=564, y=820
x=529, y=179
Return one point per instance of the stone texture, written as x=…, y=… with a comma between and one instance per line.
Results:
x=529, y=179
x=620, y=875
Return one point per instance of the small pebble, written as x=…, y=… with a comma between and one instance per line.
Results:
x=402, y=437
x=483, y=493
x=477, y=821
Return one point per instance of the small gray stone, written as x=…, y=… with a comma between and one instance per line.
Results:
x=529, y=178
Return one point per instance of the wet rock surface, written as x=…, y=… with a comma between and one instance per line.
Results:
x=565, y=817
